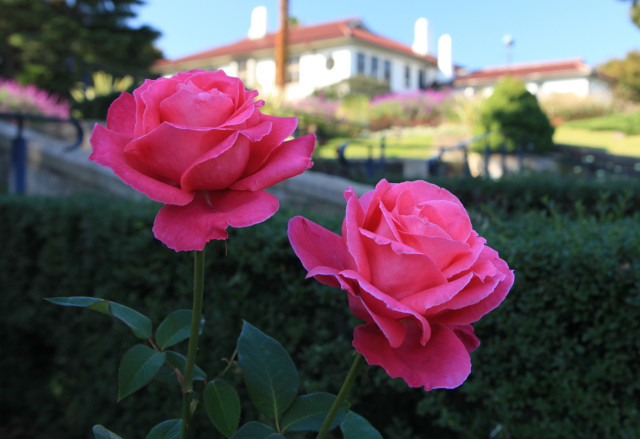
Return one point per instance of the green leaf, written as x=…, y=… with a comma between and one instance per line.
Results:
x=354, y=426
x=275, y=436
x=139, y=324
x=167, y=374
x=222, y=404
x=254, y=430
x=175, y=328
x=99, y=432
x=138, y=366
x=269, y=372
x=307, y=413
x=166, y=430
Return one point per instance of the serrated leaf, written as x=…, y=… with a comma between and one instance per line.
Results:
x=307, y=413
x=175, y=328
x=139, y=324
x=168, y=375
x=166, y=430
x=138, y=366
x=269, y=372
x=253, y=430
x=354, y=426
x=222, y=404
x=100, y=432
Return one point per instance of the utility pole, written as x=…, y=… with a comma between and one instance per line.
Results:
x=282, y=46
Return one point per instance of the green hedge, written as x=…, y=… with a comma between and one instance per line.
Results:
x=556, y=360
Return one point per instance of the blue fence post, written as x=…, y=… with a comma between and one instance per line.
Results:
x=370, y=166
x=19, y=160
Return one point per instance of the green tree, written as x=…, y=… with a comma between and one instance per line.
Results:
x=56, y=43
x=512, y=115
x=626, y=72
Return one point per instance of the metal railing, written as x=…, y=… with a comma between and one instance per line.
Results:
x=19, y=146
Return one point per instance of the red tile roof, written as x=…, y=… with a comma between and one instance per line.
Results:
x=527, y=71
x=350, y=28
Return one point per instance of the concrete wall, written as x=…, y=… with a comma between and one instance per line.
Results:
x=52, y=171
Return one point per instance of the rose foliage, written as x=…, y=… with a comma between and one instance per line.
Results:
x=415, y=272
x=198, y=143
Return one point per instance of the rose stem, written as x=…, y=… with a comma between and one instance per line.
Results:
x=348, y=382
x=187, y=383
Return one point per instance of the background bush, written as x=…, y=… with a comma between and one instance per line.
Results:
x=556, y=360
x=512, y=116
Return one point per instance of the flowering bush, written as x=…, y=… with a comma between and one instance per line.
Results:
x=29, y=99
x=408, y=109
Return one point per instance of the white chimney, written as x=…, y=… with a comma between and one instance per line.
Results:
x=258, y=27
x=445, y=60
x=421, y=37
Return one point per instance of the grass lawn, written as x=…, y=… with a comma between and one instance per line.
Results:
x=614, y=142
x=410, y=143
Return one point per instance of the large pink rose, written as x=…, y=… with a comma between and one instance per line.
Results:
x=198, y=143
x=415, y=271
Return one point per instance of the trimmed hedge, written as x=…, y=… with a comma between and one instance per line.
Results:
x=557, y=358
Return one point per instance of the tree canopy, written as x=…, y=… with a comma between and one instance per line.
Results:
x=56, y=43
x=626, y=72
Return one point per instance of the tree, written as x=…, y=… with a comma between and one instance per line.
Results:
x=56, y=43
x=626, y=72
x=512, y=116
x=634, y=11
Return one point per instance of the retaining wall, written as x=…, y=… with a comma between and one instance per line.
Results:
x=53, y=171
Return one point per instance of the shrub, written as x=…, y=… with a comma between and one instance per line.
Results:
x=357, y=85
x=512, y=116
x=556, y=358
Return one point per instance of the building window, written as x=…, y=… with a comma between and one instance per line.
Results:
x=422, y=79
x=387, y=71
x=374, y=66
x=407, y=76
x=360, y=68
x=330, y=63
x=293, y=70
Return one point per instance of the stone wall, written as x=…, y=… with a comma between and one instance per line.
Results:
x=54, y=171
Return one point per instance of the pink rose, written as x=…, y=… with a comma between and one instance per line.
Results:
x=198, y=143
x=415, y=271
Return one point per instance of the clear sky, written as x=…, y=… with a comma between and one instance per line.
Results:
x=594, y=30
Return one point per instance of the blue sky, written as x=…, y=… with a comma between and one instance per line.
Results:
x=595, y=30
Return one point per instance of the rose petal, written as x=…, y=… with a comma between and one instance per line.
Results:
x=399, y=270
x=184, y=228
x=427, y=299
x=219, y=168
x=377, y=303
x=281, y=128
x=443, y=363
x=108, y=150
x=148, y=97
x=121, y=115
x=317, y=247
x=450, y=216
x=169, y=150
x=354, y=216
x=466, y=335
x=189, y=108
x=291, y=158
x=474, y=311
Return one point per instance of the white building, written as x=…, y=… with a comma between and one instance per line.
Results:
x=324, y=54
x=541, y=79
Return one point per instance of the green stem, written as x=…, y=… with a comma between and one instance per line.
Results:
x=348, y=382
x=196, y=316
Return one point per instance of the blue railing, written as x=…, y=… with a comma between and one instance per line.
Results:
x=19, y=145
